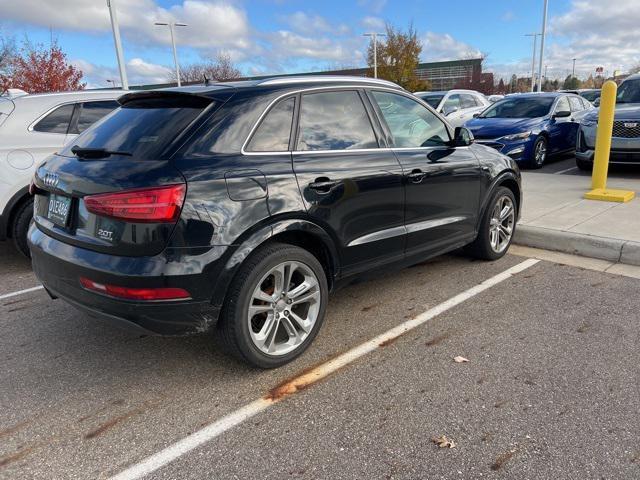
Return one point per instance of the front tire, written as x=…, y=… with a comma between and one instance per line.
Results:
x=540, y=149
x=275, y=306
x=584, y=165
x=497, y=226
x=21, y=223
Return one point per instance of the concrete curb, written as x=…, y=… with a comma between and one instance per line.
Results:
x=604, y=248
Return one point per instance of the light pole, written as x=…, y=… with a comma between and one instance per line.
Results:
x=374, y=36
x=544, y=34
x=573, y=71
x=112, y=82
x=533, y=59
x=172, y=25
x=116, y=40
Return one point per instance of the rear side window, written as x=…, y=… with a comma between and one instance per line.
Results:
x=576, y=104
x=334, y=121
x=411, y=124
x=144, y=128
x=91, y=112
x=468, y=101
x=274, y=131
x=57, y=121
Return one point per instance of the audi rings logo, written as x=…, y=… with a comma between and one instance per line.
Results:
x=51, y=179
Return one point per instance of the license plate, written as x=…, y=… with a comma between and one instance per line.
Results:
x=58, y=210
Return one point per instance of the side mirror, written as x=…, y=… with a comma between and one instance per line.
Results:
x=449, y=110
x=476, y=115
x=596, y=102
x=462, y=137
x=562, y=114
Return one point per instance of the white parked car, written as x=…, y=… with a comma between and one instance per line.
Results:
x=33, y=127
x=457, y=106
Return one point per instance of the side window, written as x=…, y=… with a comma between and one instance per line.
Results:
x=467, y=101
x=91, y=112
x=334, y=121
x=272, y=135
x=563, y=105
x=576, y=104
x=57, y=121
x=411, y=124
x=479, y=101
x=451, y=104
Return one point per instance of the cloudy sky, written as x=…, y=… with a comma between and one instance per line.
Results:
x=277, y=36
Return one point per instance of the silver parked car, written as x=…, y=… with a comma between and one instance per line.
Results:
x=32, y=127
x=625, y=142
x=458, y=106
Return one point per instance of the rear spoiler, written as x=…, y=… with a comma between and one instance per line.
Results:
x=165, y=98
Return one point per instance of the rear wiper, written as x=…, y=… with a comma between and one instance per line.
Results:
x=91, y=153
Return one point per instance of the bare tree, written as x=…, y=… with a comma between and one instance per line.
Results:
x=220, y=69
x=8, y=53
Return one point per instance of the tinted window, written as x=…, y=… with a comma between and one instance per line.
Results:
x=591, y=96
x=629, y=92
x=273, y=133
x=523, y=107
x=468, y=101
x=432, y=100
x=576, y=104
x=334, y=121
x=143, y=128
x=411, y=124
x=91, y=112
x=57, y=121
x=563, y=105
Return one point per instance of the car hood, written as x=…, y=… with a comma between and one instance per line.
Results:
x=498, y=127
x=630, y=111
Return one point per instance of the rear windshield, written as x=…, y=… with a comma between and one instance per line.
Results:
x=526, y=107
x=142, y=128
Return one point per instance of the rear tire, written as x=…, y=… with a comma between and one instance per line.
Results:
x=491, y=227
x=21, y=223
x=265, y=321
x=584, y=165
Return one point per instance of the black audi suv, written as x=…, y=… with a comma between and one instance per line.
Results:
x=238, y=207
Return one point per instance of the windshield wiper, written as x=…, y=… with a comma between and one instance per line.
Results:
x=95, y=153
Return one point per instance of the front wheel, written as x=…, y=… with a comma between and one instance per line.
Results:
x=275, y=306
x=497, y=226
x=539, y=153
x=584, y=165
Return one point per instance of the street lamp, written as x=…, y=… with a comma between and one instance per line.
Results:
x=116, y=39
x=171, y=26
x=544, y=35
x=573, y=71
x=533, y=59
x=112, y=82
x=374, y=36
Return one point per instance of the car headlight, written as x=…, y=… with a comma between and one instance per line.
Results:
x=517, y=136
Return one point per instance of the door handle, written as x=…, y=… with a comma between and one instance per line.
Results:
x=323, y=185
x=416, y=176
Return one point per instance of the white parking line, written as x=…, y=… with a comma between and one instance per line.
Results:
x=20, y=292
x=208, y=433
x=565, y=170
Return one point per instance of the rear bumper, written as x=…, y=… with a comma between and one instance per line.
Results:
x=59, y=267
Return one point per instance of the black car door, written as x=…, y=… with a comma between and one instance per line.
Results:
x=442, y=182
x=349, y=185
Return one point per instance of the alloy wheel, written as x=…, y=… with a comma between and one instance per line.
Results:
x=284, y=308
x=540, y=152
x=501, y=225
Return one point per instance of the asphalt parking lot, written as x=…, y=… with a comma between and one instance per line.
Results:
x=566, y=165
x=551, y=388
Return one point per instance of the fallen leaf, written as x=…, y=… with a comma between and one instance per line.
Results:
x=443, y=442
x=460, y=359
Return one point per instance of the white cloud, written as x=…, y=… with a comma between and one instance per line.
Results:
x=289, y=44
x=374, y=23
x=302, y=22
x=442, y=46
x=375, y=6
x=508, y=16
x=139, y=72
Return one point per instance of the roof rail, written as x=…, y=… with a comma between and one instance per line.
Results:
x=326, y=78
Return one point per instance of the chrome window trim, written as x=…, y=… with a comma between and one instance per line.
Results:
x=404, y=229
x=243, y=150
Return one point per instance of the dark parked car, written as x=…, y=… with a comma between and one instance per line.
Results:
x=625, y=141
x=529, y=127
x=591, y=94
x=241, y=205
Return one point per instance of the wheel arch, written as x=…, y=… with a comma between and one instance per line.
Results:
x=9, y=213
x=508, y=179
x=295, y=231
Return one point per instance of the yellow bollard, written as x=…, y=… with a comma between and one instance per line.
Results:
x=603, y=149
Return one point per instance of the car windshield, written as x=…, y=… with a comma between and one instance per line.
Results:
x=526, y=107
x=629, y=92
x=591, y=96
x=432, y=100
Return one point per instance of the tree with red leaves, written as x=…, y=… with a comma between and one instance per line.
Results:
x=39, y=69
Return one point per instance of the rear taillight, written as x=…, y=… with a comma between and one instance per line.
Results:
x=127, y=293
x=146, y=205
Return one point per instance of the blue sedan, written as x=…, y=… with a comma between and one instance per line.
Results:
x=530, y=127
